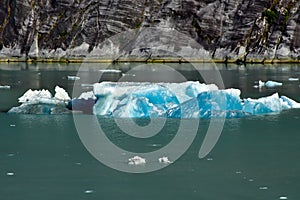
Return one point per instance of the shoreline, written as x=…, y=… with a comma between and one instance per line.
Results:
x=154, y=60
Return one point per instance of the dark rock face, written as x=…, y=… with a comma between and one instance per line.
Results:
x=220, y=29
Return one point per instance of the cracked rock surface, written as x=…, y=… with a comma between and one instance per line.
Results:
x=116, y=29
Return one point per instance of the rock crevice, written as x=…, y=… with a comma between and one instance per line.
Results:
x=223, y=29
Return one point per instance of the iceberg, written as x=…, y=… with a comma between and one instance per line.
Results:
x=42, y=102
x=146, y=100
x=142, y=100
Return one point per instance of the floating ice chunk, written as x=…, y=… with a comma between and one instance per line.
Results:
x=128, y=75
x=293, y=79
x=136, y=160
x=89, y=191
x=272, y=84
x=164, y=159
x=61, y=94
x=261, y=83
x=110, y=71
x=283, y=198
x=10, y=173
x=263, y=188
x=35, y=96
x=73, y=78
x=7, y=87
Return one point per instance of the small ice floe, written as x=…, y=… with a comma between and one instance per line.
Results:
x=73, y=78
x=271, y=84
x=89, y=191
x=5, y=87
x=293, y=79
x=260, y=84
x=164, y=159
x=128, y=75
x=283, y=197
x=136, y=160
x=110, y=70
x=263, y=188
x=10, y=174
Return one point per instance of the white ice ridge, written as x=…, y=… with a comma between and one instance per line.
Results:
x=61, y=94
x=35, y=95
x=44, y=96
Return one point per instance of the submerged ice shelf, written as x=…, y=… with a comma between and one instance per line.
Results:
x=144, y=100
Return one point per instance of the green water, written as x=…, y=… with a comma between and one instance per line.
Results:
x=42, y=157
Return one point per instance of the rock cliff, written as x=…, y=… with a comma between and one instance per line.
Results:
x=241, y=30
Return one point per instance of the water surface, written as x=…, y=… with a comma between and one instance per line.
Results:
x=42, y=157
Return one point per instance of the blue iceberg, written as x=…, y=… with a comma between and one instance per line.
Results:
x=181, y=100
x=146, y=100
